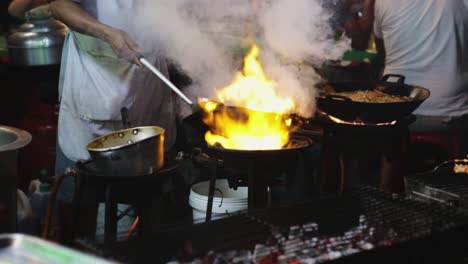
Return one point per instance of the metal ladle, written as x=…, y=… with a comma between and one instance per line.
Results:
x=163, y=78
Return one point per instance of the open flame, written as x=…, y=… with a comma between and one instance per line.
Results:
x=259, y=122
x=355, y=122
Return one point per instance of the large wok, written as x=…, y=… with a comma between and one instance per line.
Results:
x=345, y=109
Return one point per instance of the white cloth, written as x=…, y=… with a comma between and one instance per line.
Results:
x=95, y=85
x=425, y=40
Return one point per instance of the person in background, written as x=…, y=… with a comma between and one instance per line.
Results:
x=426, y=41
x=18, y=8
x=351, y=17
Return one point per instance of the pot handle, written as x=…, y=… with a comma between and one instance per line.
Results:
x=124, y=115
x=400, y=78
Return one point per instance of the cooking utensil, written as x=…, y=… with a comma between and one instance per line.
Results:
x=344, y=108
x=235, y=112
x=202, y=101
x=139, y=149
x=11, y=141
x=163, y=78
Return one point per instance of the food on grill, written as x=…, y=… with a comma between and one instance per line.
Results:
x=460, y=168
x=373, y=96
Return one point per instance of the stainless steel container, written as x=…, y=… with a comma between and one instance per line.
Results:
x=11, y=141
x=138, y=150
x=18, y=248
x=37, y=42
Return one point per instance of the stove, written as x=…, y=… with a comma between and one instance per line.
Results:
x=259, y=170
x=113, y=185
x=361, y=151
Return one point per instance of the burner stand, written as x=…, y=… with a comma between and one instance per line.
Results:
x=348, y=147
x=94, y=185
x=256, y=168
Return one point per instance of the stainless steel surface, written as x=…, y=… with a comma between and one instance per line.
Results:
x=16, y=248
x=141, y=149
x=165, y=80
x=38, y=42
x=11, y=140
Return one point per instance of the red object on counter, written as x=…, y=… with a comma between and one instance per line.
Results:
x=4, y=60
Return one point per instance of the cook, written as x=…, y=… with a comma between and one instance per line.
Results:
x=100, y=74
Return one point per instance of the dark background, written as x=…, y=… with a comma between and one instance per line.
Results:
x=5, y=19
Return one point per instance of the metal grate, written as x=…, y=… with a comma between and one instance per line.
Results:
x=362, y=226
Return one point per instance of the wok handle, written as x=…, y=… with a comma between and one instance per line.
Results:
x=124, y=115
x=400, y=78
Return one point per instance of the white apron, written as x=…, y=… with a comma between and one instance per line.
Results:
x=95, y=85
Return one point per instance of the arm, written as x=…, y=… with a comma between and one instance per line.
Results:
x=76, y=18
x=18, y=8
x=367, y=20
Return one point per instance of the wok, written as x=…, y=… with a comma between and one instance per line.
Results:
x=344, y=108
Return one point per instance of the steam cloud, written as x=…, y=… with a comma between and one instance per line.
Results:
x=200, y=36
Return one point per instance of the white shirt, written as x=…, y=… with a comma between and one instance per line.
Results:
x=425, y=40
x=95, y=85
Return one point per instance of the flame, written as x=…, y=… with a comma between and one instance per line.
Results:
x=356, y=122
x=260, y=122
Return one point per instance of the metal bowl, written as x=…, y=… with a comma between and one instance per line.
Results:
x=11, y=141
x=138, y=150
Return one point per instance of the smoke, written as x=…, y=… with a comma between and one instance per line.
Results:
x=208, y=38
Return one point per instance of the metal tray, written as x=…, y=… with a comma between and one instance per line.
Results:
x=16, y=248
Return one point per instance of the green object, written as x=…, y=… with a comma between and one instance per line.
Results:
x=358, y=55
x=43, y=172
x=44, y=187
x=3, y=46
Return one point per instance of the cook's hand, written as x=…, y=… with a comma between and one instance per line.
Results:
x=123, y=45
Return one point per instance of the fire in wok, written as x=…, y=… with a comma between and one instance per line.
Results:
x=259, y=122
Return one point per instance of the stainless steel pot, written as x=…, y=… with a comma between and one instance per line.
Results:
x=11, y=141
x=140, y=150
x=37, y=42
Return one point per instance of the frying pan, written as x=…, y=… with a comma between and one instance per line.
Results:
x=344, y=108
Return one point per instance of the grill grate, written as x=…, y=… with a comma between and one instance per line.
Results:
x=379, y=227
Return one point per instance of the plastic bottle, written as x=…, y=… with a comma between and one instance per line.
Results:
x=40, y=200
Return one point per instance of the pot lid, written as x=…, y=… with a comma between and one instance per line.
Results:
x=38, y=34
x=35, y=40
x=42, y=26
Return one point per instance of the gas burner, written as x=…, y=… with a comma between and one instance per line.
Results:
x=295, y=143
x=359, y=123
x=258, y=169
